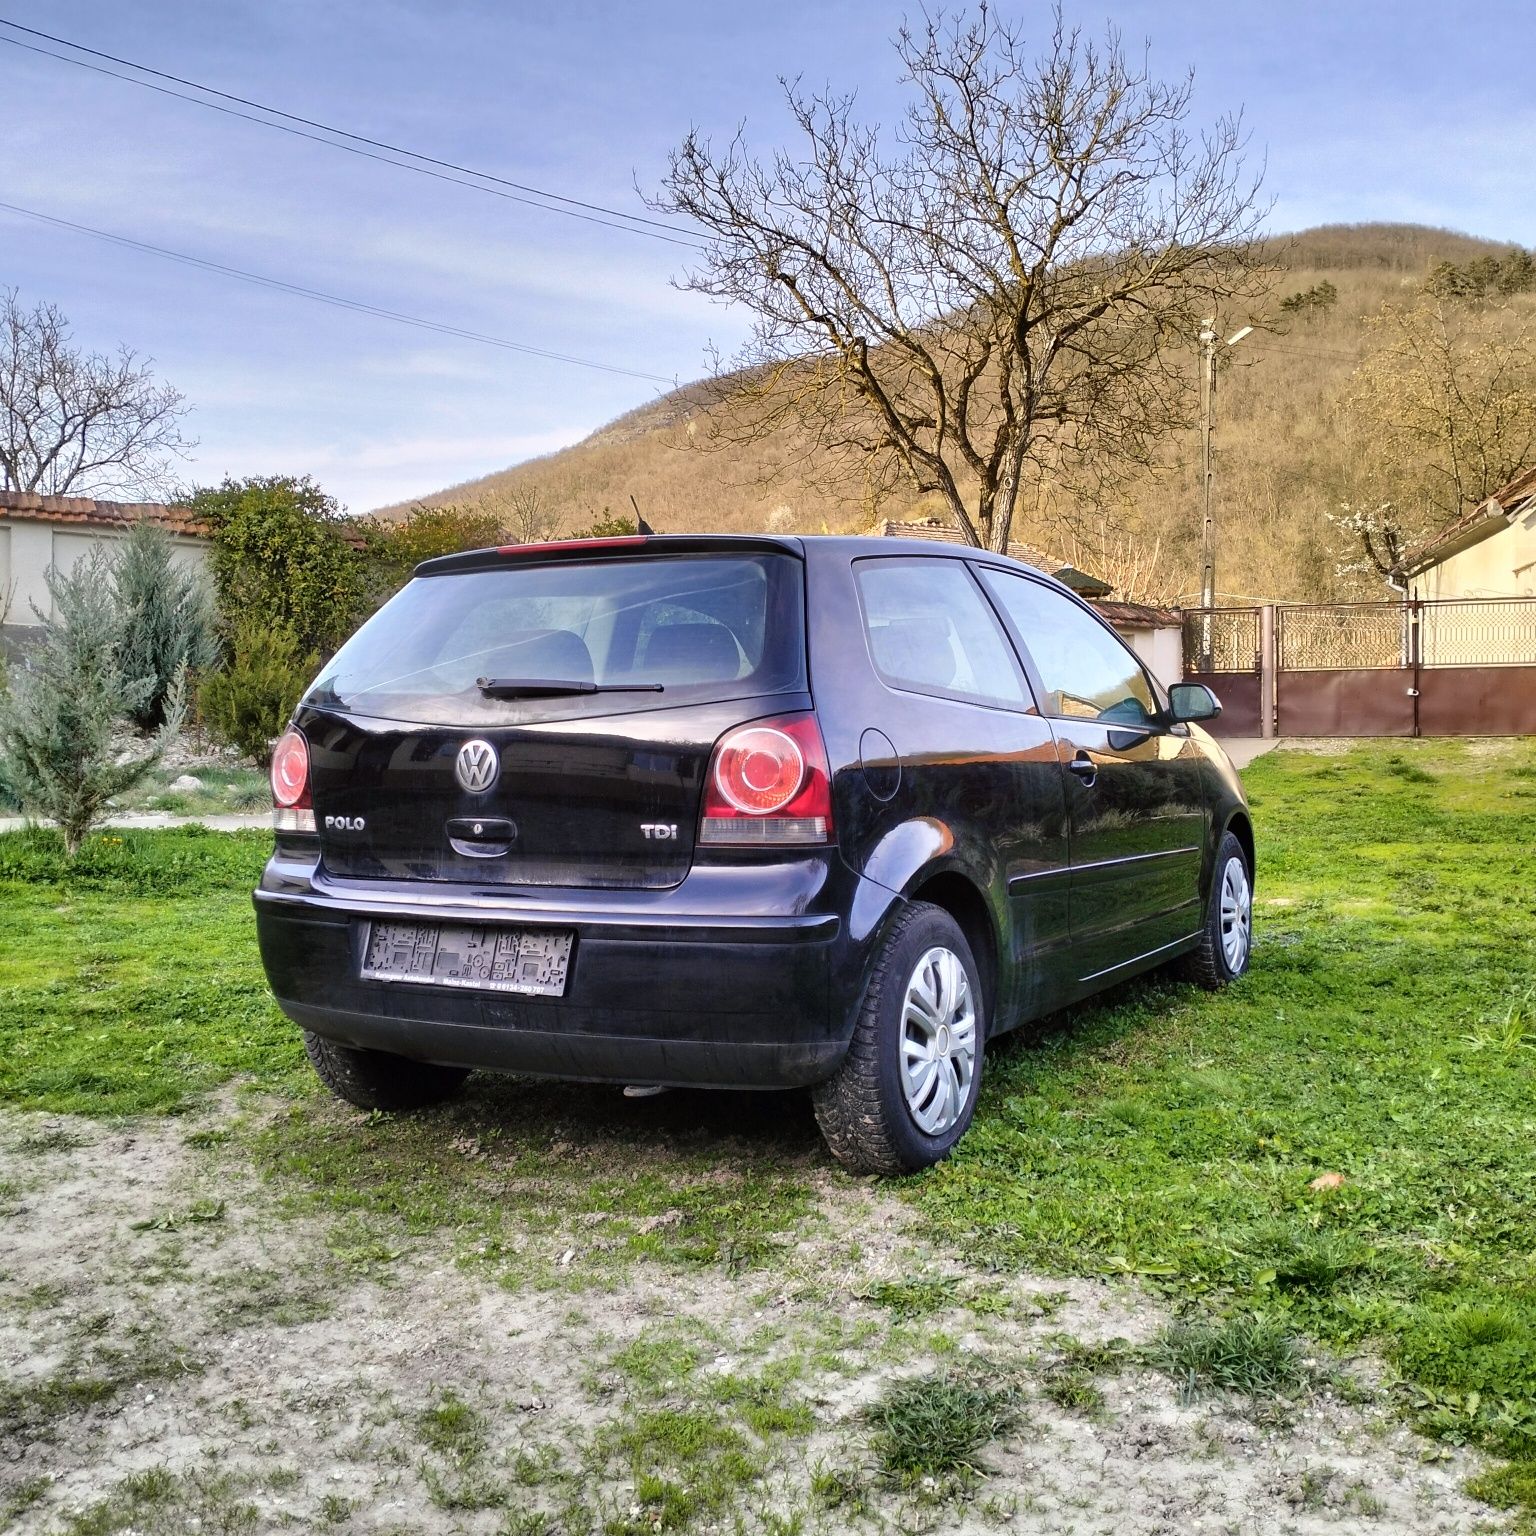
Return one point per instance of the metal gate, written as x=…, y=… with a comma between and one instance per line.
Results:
x=1454, y=667
x=1222, y=648
x=1450, y=667
x=1345, y=669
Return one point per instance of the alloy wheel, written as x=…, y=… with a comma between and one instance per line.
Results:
x=1236, y=915
x=938, y=1041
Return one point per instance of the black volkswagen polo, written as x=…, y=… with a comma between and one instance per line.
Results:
x=737, y=812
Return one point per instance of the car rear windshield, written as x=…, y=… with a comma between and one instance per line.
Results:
x=645, y=632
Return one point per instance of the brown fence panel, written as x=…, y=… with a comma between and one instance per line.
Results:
x=1477, y=701
x=1354, y=702
x=1241, y=695
x=1452, y=667
x=1332, y=637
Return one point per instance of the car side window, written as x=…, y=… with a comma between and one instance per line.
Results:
x=930, y=631
x=1089, y=673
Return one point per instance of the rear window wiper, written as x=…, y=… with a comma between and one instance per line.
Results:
x=551, y=688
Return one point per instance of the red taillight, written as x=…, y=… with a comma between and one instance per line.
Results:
x=290, y=772
x=769, y=784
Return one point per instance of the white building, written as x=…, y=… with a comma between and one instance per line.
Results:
x=37, y=532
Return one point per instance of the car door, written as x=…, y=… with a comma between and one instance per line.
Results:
x=978, y=762
x=1134, y=794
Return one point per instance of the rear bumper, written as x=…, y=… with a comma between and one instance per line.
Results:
x=659, y=990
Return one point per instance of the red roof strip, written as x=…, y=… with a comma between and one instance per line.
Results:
x=91, y=513
x=538, y=549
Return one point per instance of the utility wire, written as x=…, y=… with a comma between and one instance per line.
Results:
x=1343, y=357
x=520, y=192
x=432, y=325
x=357, y=305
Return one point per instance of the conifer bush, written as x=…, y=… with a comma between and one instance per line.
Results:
x=165, y=616
x=58, y=757
x=247, y=702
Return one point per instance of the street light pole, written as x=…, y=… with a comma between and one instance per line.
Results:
x=1208, y=341
x=1207, y=408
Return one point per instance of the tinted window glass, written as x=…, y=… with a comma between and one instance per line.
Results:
x=931, y=630
x=1087, y=671
x=703, y=626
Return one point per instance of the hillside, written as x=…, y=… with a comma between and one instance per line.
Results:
x=1280, y=467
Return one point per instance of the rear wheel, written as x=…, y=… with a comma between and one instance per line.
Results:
x=377, y=1079
x=906, y=1090
x=1227, y=938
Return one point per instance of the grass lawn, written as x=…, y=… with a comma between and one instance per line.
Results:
x=1386, y=1034
x=1385, y=1045
x=131, y=983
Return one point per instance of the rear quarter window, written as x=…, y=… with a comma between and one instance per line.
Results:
x=931, y=631
x=702, y=627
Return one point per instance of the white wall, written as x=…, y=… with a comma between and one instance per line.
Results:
x=31, y=548
x=28, y=546
x=1161, y=649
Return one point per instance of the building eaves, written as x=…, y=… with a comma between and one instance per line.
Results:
x=89, y=512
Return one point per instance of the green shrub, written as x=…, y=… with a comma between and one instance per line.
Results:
x=1483, y=1345
x=1512, y=1486
x=57, y=756
x=393, y=550
x=187, y=861
x=281, y=559
x=248, y=701
x=165, y=618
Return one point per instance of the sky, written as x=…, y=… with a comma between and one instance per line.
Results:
x=1359, y=111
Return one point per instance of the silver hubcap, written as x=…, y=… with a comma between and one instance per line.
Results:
x=1236, y=915
x=938, y=1041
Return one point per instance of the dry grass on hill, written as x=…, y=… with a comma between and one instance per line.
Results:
x=1281, y=464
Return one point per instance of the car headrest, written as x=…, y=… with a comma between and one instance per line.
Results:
x=556, y=655
x=916, y=649
x=689, y=653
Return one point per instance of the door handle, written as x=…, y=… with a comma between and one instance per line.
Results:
x=1085, y=768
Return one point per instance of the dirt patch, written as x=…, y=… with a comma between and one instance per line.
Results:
x=184, y=1348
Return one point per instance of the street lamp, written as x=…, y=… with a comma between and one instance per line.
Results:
x=1208, y=340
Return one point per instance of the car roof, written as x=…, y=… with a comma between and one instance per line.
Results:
x=818, y=547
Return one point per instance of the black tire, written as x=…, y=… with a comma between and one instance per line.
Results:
x=863, y=1110
x=1209, y=965
x=377, y=1079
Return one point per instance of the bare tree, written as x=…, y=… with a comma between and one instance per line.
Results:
x=1444, y=400
x=529, y=518
x=1440, y=413
x=1004, y=290
x=1133, y=562
x=74, y=422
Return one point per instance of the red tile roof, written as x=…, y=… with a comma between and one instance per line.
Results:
x=1506, y=503
x=91, y=513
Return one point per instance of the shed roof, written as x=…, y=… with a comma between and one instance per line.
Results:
x=940, y=531
x=91, y=513
x=1139, y=615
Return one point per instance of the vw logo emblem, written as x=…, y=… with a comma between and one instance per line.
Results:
x=477, y=766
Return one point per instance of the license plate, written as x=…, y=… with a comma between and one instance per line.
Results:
x=528, y=961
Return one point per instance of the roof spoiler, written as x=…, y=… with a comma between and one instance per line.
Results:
x=499, y=557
